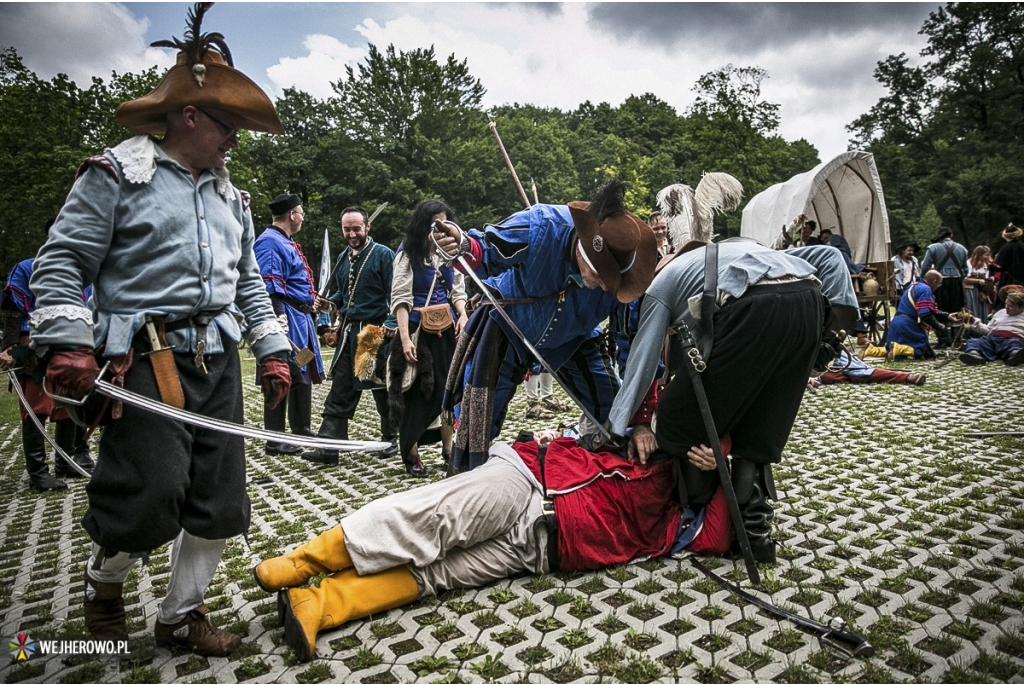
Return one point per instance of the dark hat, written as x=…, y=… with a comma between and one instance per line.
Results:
x=283, y=202
x=1011, y=232
x=908, y=243
x=204, y=75
x=620, y=247
x=943, y=232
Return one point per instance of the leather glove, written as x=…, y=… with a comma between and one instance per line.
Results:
x=282, y=320
x=72, y=372
x=6, y=361
x=275, y=380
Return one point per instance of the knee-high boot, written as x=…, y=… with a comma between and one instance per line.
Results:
x=330, y=428
x=326, y=553
x=900, y=350
x=754, y=485
x=66, y=434
x=871, y=351
x=300, y=409
x=273, y=419
x=35, y=458
x=341, y=597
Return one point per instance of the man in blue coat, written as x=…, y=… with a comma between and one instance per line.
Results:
x=289, y=282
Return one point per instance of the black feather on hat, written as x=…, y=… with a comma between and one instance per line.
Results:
x=203, y=75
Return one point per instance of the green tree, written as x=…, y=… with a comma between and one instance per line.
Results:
x=949, y=133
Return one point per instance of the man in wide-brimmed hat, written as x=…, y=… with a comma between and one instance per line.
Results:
x=167, y=242
x=949, y=258
x=758, y=345
x=561, y=270
x=906, y=269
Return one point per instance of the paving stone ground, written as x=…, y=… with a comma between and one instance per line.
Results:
x=890, y=518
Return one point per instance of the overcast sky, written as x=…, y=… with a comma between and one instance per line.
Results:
x=820, y=57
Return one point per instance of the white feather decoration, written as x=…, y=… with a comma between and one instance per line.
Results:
x=716, y=192
x=677, y=207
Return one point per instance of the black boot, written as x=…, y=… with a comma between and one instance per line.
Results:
x=35, y=458
x=753, y=484
x=334, y=428
x=415, y=467
x=66, y=433
x=273, y=420
x=389, y=451
x=82, y=456
x=300, y=410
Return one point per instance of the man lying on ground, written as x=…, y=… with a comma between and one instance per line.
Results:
x=847, y=369
x=536, y=506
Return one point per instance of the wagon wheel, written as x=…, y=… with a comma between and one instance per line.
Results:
x=876, y=316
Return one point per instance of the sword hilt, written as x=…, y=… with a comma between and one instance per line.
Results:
x=70, y=400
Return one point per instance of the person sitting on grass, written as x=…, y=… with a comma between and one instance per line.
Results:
x=490, y=523
x=1002, y=338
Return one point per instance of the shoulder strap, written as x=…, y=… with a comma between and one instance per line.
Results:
x=707, y=300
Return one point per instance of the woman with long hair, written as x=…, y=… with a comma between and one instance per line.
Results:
x=421, y=280
x=976, y=301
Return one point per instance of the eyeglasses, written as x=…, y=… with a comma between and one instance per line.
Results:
x=228, y=131
x=295, y=211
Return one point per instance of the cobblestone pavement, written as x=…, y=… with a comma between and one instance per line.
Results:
x=889, y=518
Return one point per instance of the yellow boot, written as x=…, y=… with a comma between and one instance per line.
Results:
x=872, y=351
x=326, y=553
x=900, y=350
x=342, y=597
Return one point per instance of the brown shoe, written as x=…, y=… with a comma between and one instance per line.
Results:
x=194, y=633
x=916, y=379
x=104, y=610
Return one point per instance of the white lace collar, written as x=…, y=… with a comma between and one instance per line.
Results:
x=137, y=157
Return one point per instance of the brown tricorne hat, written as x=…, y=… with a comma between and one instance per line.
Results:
x=620, y=247
x=203, y=75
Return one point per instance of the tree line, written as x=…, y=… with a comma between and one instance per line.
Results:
x=405, y=125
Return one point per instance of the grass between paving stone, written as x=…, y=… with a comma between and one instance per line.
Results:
x=888, y=517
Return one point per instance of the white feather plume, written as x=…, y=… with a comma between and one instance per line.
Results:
x=677, y=207
x=717, y=192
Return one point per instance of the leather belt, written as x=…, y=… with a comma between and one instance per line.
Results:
x=552, y=525
x=200, y=322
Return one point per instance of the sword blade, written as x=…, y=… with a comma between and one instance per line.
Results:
x=530, y=348
x=39, y=424
x=860, y=646
x=139, y=401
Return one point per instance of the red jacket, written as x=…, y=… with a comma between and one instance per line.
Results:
x=625, y=511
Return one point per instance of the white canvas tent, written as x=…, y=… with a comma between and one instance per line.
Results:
x=844, y=194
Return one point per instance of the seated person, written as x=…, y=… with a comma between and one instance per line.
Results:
x=839, y=242
x=907, y=336
x=847, y=369
x=491, y=523
x=1002, y=338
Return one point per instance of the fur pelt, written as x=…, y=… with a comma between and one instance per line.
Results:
x=690, y=214
x=396, y=369
x=368, y=344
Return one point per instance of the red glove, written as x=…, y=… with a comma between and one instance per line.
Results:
x=72, y=372
x=275, y=380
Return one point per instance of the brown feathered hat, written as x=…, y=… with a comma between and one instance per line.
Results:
x=203, y=75
x=617, y=244
x=1011, y=232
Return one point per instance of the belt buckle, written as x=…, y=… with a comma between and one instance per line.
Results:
x=548, y=506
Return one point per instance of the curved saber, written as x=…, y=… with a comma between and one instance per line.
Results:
x=522, y=338
x=39, y=424
x=157, y=407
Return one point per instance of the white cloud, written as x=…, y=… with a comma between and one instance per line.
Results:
x=81, y=40
x=313, y=73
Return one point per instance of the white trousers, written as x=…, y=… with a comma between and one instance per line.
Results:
x=465, y=531
x=538, y=387
x=193, y=563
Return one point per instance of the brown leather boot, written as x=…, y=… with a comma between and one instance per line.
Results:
x=196, y=634
x=104, y=610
